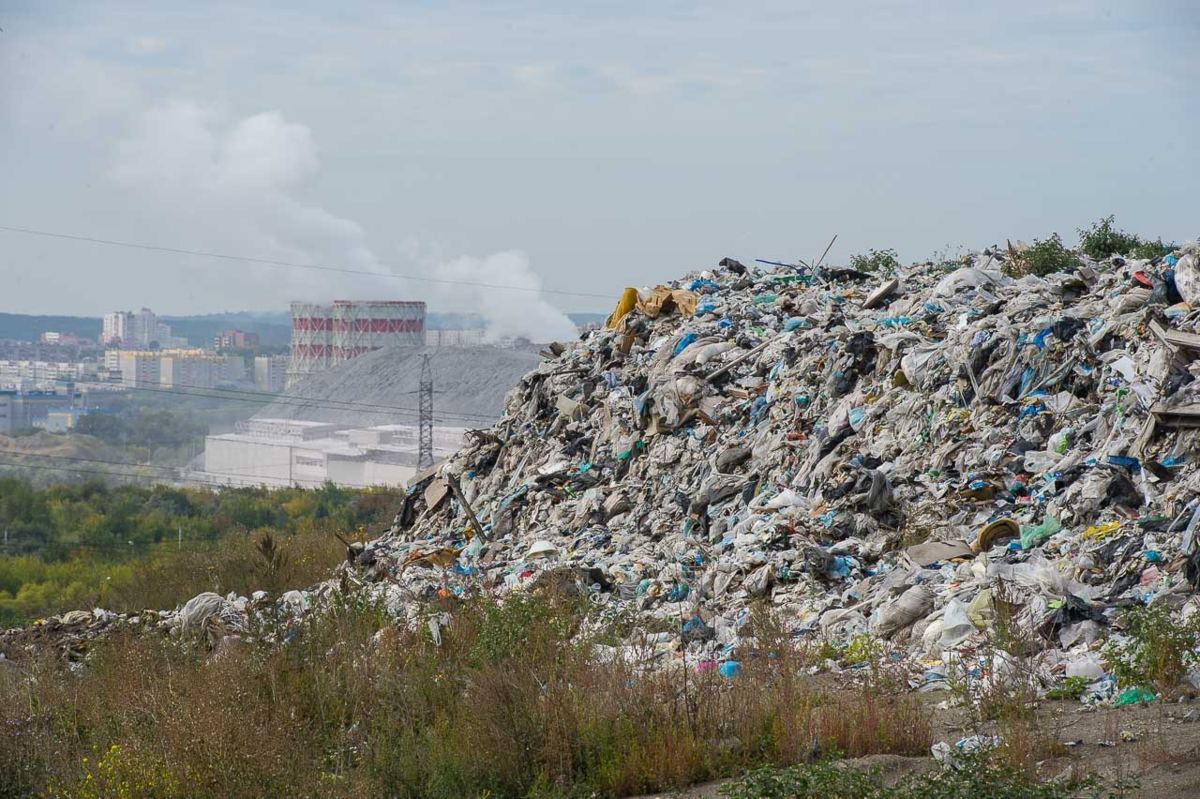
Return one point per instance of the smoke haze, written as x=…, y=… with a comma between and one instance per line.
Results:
x=239, y=180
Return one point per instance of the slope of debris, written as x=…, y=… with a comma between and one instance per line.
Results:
x=862, y=455
x=381, y=387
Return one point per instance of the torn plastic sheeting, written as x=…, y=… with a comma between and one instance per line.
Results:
x=627, y=302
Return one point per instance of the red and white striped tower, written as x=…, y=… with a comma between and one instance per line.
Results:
x=312, y=339
x=364, y=326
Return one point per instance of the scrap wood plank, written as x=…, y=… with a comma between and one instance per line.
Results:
x=1176, y=338
x=452, y=481
x=1176, y=416
x=746, y=356
x=1145, y=437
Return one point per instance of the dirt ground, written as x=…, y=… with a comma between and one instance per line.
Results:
x=1156, y=745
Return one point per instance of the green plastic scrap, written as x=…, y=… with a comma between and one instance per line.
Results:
x=1133, y=696
x=1033, y=534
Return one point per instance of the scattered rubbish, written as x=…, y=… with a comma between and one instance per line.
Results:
x=1134, y=696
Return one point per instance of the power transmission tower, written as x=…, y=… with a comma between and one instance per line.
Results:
x=425, y=406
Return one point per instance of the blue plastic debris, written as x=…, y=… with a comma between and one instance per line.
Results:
x=679, y=592
x=1132, y=464
x=683, y=343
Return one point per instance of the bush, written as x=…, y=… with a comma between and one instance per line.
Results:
x=1158, y=653
x=1042, y=258
x=1103, y=240
x=885, y=262
x=135, y=547
x=1148, y=250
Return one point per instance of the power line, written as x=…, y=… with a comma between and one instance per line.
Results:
x=174, y=469
x=247, y=478
x=104, y=473
x=239, y=395
x=289, y=264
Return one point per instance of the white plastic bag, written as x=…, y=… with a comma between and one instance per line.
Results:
x=956, y=625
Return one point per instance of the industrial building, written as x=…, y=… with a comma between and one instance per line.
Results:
x=61, y=420
x=284, y=452
x=328, y=335
x=470, y=337
x=20, y=409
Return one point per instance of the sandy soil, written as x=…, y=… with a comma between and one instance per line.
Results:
x=1157, y=745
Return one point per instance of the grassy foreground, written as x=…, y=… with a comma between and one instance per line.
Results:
x=519, y=699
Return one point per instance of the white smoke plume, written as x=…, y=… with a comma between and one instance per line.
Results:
x=232, y=185
x=507, y=313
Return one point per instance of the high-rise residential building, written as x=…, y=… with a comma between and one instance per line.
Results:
x=188, y=370
x=175, y=368
x=140, y=369
x=128, y=330
x=270, y=373
x=118, y=329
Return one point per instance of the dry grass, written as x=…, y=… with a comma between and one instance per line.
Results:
x=237, y=563
x=513, y=702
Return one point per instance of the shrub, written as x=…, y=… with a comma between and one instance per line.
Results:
x=1158, y=652
x=885, y=262
x=1073, y=688
x=122, y=773
x=1103, y=240
x=1042, y=258
x=1148, y=250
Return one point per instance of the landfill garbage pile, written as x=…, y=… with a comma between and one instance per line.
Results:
x=209, y=618
x=864, y=456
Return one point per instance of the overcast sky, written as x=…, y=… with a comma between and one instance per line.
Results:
x=579, y=146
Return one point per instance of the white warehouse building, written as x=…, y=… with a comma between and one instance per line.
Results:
x=284, y=452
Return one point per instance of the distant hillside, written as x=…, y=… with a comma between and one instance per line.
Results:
x=31, y=328
x=200, y=330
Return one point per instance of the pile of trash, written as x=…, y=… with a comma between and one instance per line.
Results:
x=210, y=618
x=895, y=457
x=865, y=456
